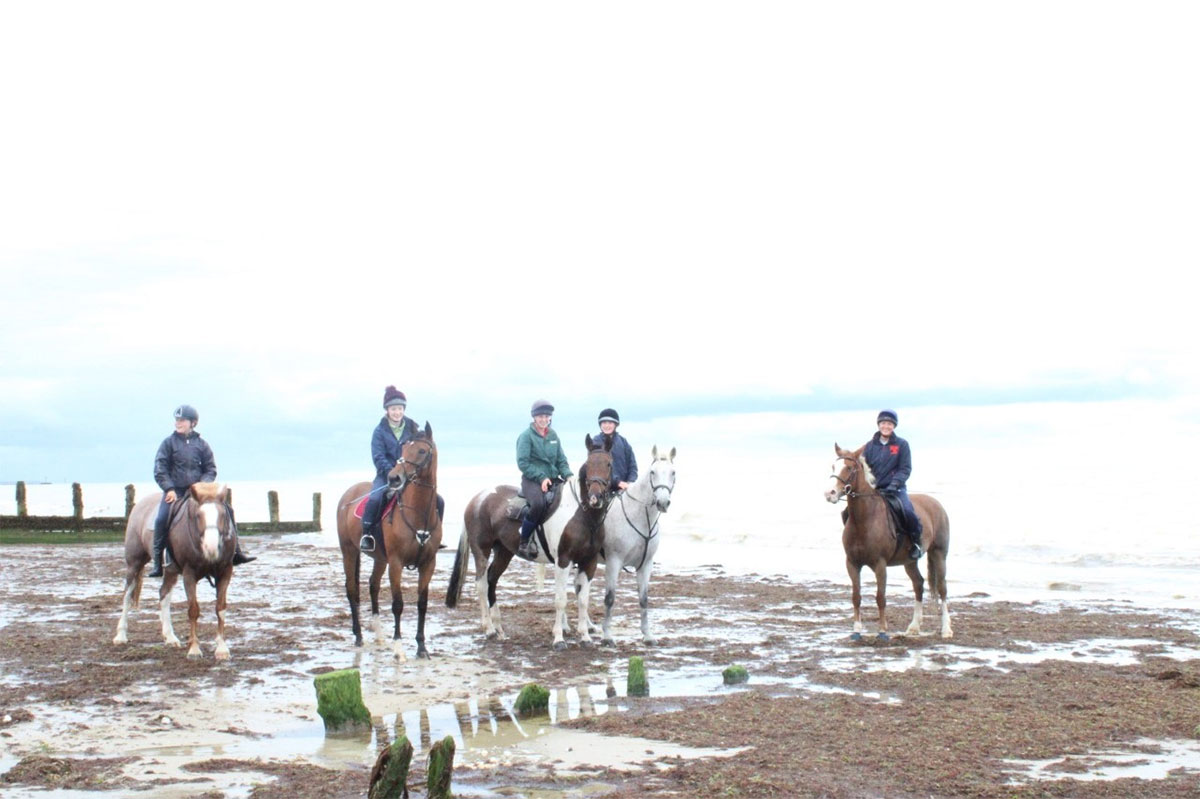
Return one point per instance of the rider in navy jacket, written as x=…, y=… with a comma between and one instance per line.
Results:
x=890, y=461
x=624, y=464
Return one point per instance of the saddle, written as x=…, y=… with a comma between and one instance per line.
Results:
x=905, y=524
x=361, y=507
x=518, y=506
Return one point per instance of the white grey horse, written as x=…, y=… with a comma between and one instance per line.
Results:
x=631, y=535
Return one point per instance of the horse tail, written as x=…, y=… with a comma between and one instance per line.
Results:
x=458, y=574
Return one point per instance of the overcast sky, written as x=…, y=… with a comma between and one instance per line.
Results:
x=271, y=211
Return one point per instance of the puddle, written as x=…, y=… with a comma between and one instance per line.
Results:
x=1146, y=759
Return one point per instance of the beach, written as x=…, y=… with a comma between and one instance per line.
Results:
x=1060, y=696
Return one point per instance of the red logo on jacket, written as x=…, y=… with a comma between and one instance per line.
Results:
x=894, y=449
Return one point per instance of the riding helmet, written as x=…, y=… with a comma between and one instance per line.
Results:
x=394, y=396
x=887, y=415
x=609, y=415
x=541, y=406
x=187, y=412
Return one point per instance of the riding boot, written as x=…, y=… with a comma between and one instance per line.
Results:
x=160, y=541
x=916, y=551
x=366, y=544
x=527, y=549
x=240, y=557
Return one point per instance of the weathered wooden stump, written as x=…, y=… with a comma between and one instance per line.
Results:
x=532, y=700
x=637, y=684
x=389, y=777
x=735, y=675
x=441, y=768
x=339, y=700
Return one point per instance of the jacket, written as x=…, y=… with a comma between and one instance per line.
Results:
x=624, y=465
x=385, y=447
x=540, y=457
x=183, y=460
x=891, y=463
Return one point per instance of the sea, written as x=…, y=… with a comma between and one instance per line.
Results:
x=1067, y=509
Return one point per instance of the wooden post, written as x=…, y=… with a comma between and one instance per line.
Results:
x=317, y=510
x=130, y=501
x=77, y=503
x=22, y=508
x=441, y=769
x=389, y=777
x=273, y=506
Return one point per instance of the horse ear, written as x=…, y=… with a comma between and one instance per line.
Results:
x=608, y=443
x=654, y=453
x=672, y=454
x=428, y=431
x=587, y=441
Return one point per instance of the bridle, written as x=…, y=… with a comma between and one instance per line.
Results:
x=847, y=491
x=651, y=524
x=603, y=483
x=407, y=478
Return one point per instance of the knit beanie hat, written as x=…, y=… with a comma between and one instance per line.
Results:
x=394, y=396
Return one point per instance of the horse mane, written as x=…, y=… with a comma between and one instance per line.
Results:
x=206, y=492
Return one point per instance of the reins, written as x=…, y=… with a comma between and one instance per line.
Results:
x=652, y=528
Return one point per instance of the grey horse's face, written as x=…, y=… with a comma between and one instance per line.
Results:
x=662, y=481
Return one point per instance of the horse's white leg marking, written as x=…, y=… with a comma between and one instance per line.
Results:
x=583, y=587
x=123, y=624
x=946, y=631
x=485, y=614
x=164, y=615
x=496, y=621
x=560, y=605
x=914, y=628
x=612, y=569
x=398, y=650
x=539, y=581
x=643, y=577
x=222, y=651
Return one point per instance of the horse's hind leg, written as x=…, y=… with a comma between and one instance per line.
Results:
x=491, y=608
x=937, y=584
x=583, y=592
x=351, y=564
x=918, y=583
x=222, y=650
x=643, y=578
x=560, y=605
x=133, y=580
x=164, y=608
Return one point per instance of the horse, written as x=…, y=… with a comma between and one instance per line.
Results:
x=201, y=540
x=582, y=541
x=870, y=539
x=631, y=536
x=489, y=534
x=411, y=534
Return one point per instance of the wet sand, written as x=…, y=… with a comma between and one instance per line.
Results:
x=1069, y=690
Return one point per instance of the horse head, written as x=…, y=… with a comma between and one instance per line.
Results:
x=597, y=471
x=209, y=514
x=850, y=475
x=417, y=466
x=662, y=477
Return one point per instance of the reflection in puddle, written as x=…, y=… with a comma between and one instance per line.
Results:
x=1151, y=760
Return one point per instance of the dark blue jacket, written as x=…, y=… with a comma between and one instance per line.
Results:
x=624, y=465
x=182, y=461
x=385, y=447
x=891, y=463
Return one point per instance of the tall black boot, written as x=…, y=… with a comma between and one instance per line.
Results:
x=916, y=551
x=528, y=548
x=160, y=540
x=366, y=544
x=240, y=557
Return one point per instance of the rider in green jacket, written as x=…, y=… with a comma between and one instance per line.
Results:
x=542, y=462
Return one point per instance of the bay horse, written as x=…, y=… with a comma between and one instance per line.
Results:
x=870, y=539
x=582, y=541
x=490, y=535
x=631, y=535
x=411, y=533
x=201, y=540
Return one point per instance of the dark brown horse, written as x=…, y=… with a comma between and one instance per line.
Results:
x=201, y=541
x=490, y=534
x=411, y=532
x=582, y=541
x=871, y=539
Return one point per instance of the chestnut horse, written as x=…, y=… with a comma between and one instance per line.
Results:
x=411, y=533
x=201, y=542
x=582, y=542
x=870, y=539
x=489, y=534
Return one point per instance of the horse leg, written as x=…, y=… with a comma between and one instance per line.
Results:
x=377, y=567
x=937, y=584
x=351, y=563
x=189, y=586
x=222, y=651
x=164, y=608
x=500, y=561
x=426, y=575
x=881, y=598
x=612, y=569
x=395, y=567
x=583, y=588
x=133, y=585
x=855, y=572
x=560, y=605
x=643, y=578
x=918, y=583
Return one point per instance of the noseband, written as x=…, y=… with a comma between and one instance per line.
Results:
x=847, y=488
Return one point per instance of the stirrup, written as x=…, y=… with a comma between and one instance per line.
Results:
x=528, y=550
x=367, y=543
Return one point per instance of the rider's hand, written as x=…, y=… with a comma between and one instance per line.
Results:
x=171, y=496
x=545, y=485
x=621, y=486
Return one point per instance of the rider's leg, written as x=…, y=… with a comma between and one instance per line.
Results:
x=160, y=537
x=370, y=520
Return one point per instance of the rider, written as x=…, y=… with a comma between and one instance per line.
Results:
x=624, y=464
x=183, y=458
x=890, y=460
x=541, y=459
x=387, y=442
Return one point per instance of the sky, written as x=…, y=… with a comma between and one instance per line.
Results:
x=699, y=213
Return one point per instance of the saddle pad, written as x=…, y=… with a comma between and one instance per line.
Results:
x=361, y=507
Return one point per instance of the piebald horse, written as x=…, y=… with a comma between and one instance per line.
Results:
x=411, y=533
x=201, y=540
x=870, y=539
x=490, y=535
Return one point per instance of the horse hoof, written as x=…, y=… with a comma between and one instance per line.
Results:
x=358, y=640
x=855, y=636
x=608, y=642
x=884, y=637
x=492, y=636
x=221, y=655
x=422, y=654
x=559, y=646
x=585, y=643
x=649, y=642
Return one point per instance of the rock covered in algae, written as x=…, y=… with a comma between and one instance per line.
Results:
x=637, y=684
x=389, y=777
x=735, y=675
x=532, y=700
x=339, y=700
x=441, y=768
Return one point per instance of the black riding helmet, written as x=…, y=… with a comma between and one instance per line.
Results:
x=187, y=412
x=609, y=415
